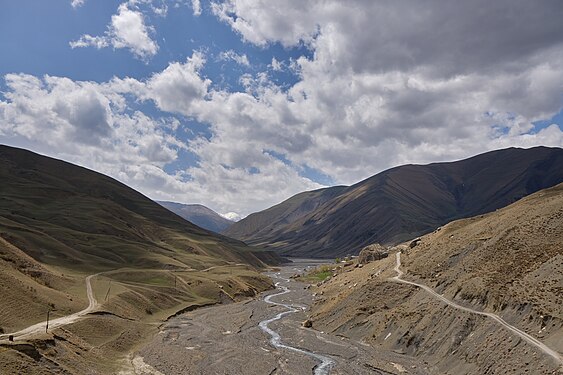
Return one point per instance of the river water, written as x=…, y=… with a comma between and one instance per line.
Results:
x=326, y=363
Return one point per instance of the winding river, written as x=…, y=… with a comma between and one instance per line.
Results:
x=326, y=363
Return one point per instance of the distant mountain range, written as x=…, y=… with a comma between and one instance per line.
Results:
x=199, y=215
x=399, y=203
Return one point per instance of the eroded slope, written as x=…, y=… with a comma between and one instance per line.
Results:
x=509, y=262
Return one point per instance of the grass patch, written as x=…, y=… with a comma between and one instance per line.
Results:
x=320, y=273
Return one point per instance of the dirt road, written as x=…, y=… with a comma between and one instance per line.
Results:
x=38, y=328
x=530, y=339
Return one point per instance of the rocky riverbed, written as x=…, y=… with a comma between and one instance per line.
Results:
x=230, y=339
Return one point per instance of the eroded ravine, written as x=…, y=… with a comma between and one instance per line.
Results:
x=326, y=363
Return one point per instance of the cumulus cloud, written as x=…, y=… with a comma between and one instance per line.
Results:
x=387, y=83
x=127, y=29
x=93, y=125
x=77, y=3
x=402, y=82
x=233, y=56
x=87, y=123
x=196, y=6
x=276, y=65
x=262, y=22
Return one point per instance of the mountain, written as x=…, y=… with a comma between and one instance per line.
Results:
x=508, y=262
x=60, y=223
x=400, y=203
x=65, y=214
x=199, y=215
x=265, y=223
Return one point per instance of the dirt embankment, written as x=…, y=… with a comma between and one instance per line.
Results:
x=509, y=262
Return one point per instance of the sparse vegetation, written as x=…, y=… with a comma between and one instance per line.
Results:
x=320, y=273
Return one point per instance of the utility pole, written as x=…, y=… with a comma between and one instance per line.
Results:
x=109, y=287
x=175, y=277
x=47, y=325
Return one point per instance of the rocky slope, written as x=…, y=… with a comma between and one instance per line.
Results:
x=509, y=262
x=401, y=203
x=199, y=215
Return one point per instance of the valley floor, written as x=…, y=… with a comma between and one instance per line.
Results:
x=227, y=339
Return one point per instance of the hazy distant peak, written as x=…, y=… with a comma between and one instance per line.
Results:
x=199, y=215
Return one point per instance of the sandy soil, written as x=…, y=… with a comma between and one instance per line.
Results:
x=226, y=339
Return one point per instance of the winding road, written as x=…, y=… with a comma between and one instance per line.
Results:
x=530, y=339
x=326, y=363
x=58, y=322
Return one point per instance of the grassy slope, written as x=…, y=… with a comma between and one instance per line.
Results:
x=62, y=214
x=265, y=223
x=60, y=222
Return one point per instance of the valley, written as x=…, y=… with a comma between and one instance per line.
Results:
x=131, y=288
x=105, y=263
x=239, y=187
x=265, y=336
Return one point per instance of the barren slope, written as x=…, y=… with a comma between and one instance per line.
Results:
x=509, y=262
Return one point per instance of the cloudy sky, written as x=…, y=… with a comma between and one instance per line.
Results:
x=239, y=104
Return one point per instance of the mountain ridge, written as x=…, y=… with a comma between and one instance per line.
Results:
x=406, y=201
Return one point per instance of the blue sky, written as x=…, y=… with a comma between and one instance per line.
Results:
x=238, y=104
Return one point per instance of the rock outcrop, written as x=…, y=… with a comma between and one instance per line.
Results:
x=372, y=252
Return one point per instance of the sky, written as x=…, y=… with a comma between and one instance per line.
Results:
x=240, y=104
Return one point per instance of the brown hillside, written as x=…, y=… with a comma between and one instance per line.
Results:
x=509, y=262
x=404, y=202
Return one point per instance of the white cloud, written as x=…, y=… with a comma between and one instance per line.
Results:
x=386, y=85
x=86, y=40
x=77, y=3
x=261, y=22
x=233, y=56
x=85, y=123
x=178, y=88
x=91, y=124
x=196, y=6
x=127, y=29
x=276, y=65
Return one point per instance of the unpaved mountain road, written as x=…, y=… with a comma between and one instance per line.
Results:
x=263, y=336
x=530, y=339
x=39, y=328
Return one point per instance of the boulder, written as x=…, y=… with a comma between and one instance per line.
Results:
x=414, y=242
x=371, y=253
